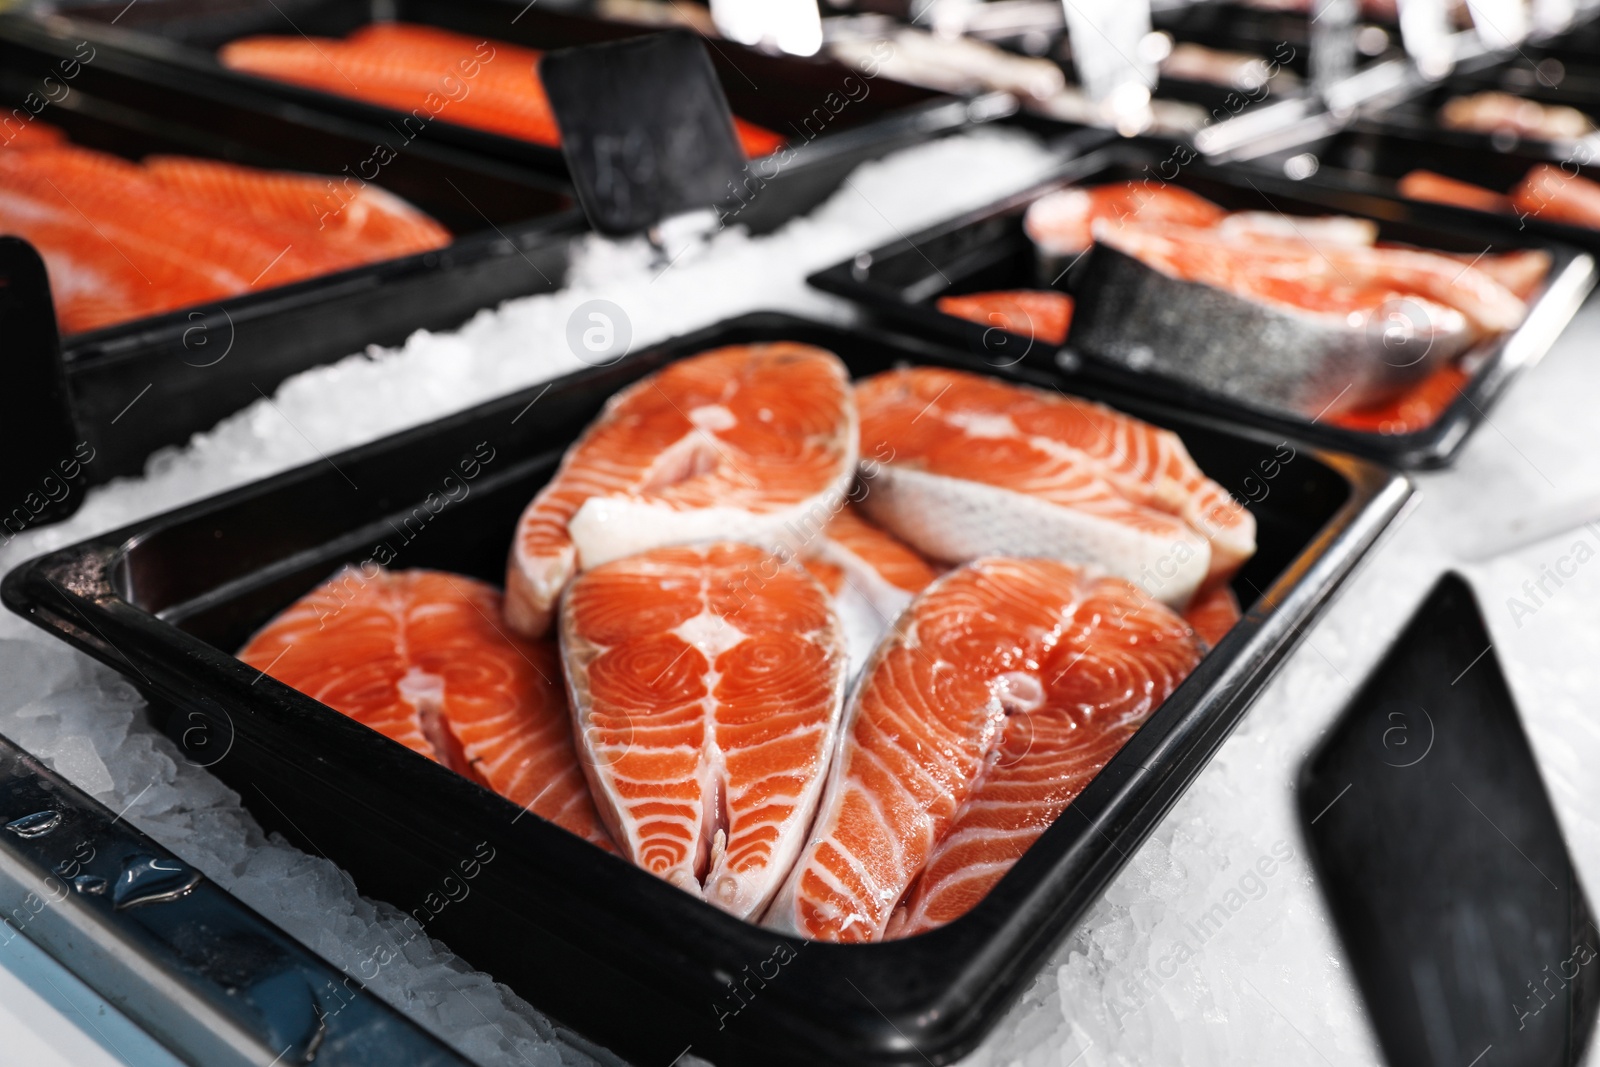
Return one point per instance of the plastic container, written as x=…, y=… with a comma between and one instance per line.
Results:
x=987, y=250
x=603, y=946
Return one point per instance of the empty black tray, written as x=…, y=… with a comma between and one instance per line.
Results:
x=601, y=945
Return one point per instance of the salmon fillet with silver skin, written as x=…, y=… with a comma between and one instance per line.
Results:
x=420, y=656
x=982, y=467
x=752, y=443
x=1001, y=691
x=871, y=575
x=707, y=687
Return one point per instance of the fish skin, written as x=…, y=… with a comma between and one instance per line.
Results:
x=1271, y=358
x=1318, y=275
x=929, y=722
x=685, y=455
x=982, y=467
x=418, y=656
x=707, y=686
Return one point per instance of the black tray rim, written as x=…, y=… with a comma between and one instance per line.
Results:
x=72, y=593
x=1572, y=276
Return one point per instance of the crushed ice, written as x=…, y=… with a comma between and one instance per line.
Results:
x=1189, y=958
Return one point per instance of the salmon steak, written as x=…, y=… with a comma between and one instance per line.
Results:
x=1039, y=314
x=1001, y=692
x=752, y=443
x=489, y=85
x=870, y=574
x=1310, y=322
x=421, y=657
x=981, y=467
x=707, y=686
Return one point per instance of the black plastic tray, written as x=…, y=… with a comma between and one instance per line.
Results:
x=785, y=94
x=601, y=945
x=987, y=249
x=180, y=372
x=1370, y=157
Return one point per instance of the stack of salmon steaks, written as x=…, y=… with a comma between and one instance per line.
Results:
x=829, y=656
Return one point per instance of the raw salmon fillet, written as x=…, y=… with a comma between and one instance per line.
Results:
x=432, y=73
x=1001, y=692
x=1416, y=409
x=751, y=442
x=122, y=241
x=1062, y=223
x=1212, y=613
x=1041, y=314
x=359, y=221
x=34, y=134
x=1438, y=189
x=982, y=468
x=1550, y=193
x=420, y=657
x=871, y=575
x=707, y=686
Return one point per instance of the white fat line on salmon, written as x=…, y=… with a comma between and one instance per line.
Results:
x=1138, y=991
x=354, y=577
x=55, y=489
x=758, y=173
x=36, y=101
x=1560, y=571
x=348, y=189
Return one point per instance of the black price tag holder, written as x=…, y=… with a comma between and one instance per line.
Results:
x=646, y=130
x=1441, y=859
x=42, y=478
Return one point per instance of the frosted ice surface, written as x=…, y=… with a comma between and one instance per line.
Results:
x=1156, y=974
